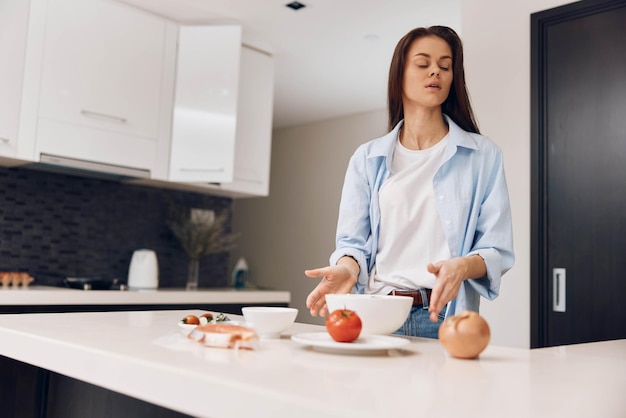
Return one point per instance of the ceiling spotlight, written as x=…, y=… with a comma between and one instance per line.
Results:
x=295, y=5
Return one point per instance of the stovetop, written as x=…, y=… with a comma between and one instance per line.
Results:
x=81, y=283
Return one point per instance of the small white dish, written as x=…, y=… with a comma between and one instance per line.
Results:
x=269, y=321
x=186, y=328
x=365, y=344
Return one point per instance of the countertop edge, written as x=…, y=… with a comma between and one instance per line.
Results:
x=62, y=296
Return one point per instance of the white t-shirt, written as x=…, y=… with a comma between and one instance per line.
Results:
x=411, y=234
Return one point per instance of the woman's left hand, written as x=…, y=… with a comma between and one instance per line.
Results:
x=449, y=274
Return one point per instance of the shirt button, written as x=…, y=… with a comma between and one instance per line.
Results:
x=448, y=222
x=440, y=197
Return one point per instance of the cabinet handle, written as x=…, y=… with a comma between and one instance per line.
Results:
x=5, y=140
x=90, y=114
x=195, y=170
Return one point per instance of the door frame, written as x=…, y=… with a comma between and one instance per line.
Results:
x=540, y=284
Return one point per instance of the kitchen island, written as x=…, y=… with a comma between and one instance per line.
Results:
x=143, y=355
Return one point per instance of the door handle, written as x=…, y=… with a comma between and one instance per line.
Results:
x=558, y=290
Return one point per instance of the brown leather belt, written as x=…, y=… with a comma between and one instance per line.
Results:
x=415, y=294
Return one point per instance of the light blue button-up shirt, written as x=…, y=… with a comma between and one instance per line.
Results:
x=472, y=200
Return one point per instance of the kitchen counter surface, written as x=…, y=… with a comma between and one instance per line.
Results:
x=44, y=295
x=143, y=355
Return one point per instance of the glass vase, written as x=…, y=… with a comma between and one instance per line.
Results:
x=193, y=274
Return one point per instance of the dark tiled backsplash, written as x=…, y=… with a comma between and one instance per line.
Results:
x=55, y=226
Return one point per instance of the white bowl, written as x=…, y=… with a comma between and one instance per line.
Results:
x=380, y=314
x=269, y=321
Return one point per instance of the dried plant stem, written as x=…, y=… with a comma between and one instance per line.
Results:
x=202, y=236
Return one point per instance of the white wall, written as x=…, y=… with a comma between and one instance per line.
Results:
x=294, y=228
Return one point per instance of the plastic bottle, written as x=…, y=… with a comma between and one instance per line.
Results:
x=240, y=274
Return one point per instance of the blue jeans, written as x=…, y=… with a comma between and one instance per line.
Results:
x=418, y=324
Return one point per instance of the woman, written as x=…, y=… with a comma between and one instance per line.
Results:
x=424, y=209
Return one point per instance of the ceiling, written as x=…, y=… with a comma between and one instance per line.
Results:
x=331, y=57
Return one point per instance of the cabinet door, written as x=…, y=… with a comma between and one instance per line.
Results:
x=253, y=144
x=254, y=124
x=13, y=28
x=205, y=104
x=102, y=66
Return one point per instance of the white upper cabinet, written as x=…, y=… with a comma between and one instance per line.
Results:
x=205, y=104
x=254, y=125
x=101, y=76
x=98, y=85
x=13, y=28
x=221, y=140
x=253, y=139
x=102, y=67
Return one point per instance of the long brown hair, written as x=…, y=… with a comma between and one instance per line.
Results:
x=457, y=104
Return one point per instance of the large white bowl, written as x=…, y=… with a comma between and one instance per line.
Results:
x=269, y=321
x=380, y=314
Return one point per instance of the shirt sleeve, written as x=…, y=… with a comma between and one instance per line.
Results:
x=493, y=234
x=353, y=226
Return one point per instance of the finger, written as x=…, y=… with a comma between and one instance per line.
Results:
x=324, y=310
x=312, y=305
x=317, y=272
x=313, y=298
x=315, y=301
x=436, y=291
x=433, y=268
x=319, y=308
x=311, y=273
x=434, y=316
x=437, y=303
x=316, y=297
x=434, y=307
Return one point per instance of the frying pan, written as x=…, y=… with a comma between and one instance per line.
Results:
x=96, y=283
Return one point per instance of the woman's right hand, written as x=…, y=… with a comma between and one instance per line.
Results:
x=340, y=278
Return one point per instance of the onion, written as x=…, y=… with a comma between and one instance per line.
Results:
x=464, y=335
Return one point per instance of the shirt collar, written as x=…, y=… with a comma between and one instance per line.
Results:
x=457, y=137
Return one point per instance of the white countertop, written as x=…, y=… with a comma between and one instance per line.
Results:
x=47, y=295
x=143, y=355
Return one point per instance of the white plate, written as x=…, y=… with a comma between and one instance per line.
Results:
x=366, y=344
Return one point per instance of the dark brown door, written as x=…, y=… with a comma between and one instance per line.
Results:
x=579, y=173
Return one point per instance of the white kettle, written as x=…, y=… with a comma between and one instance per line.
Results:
x=143, y=272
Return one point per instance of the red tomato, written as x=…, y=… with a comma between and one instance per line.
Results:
x=191, y=319
x=344, y=325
